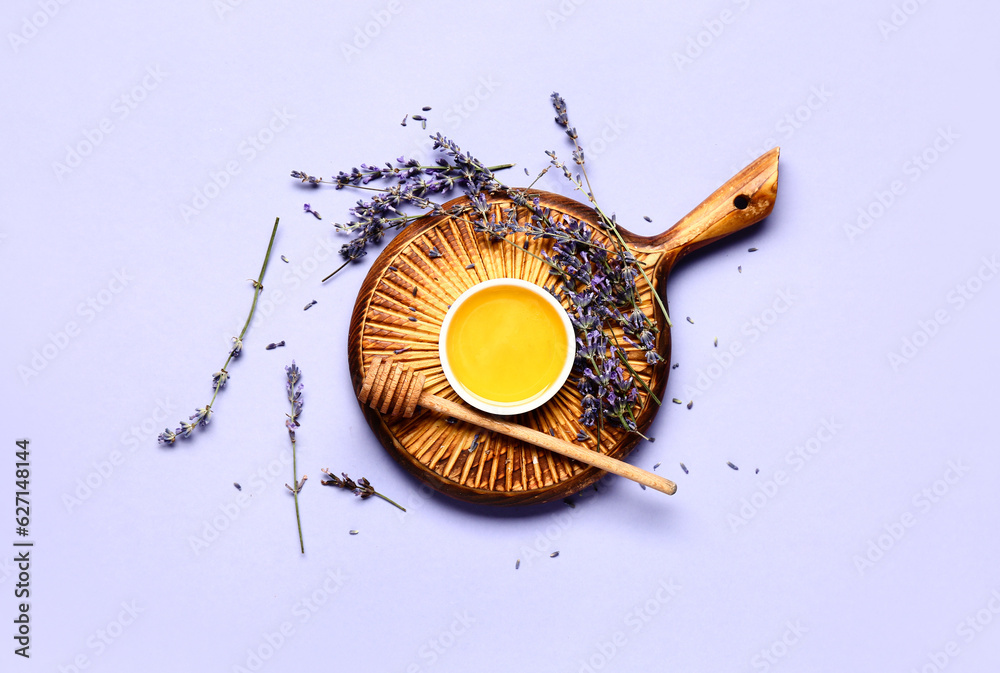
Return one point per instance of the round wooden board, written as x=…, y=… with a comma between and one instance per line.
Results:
x=410, y=286
x=398, y=316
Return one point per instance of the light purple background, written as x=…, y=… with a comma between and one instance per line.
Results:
x=436, y=589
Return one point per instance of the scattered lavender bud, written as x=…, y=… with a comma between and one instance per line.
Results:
x=399, y=351
x=284, y=259
x=309, y=305
x=470, y=266
x=740, y=268
x=677, y=401
x=675, y=365
x=689, y=320
x=403, y=123
x=647, y=218
x=690, y=404
x=434, y=253
x=272, y=346
x=355, y=532
x=752, y=250
x=684, y=467
x=554, y=554
x=656, y=466
x=238, y=487
x=426, y=108
x=716, y=342
x=307, y=208
x=518, y=564
x=732, y=466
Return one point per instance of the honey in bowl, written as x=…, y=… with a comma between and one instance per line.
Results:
x=508, y=343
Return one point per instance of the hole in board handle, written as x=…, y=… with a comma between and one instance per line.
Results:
x=741, y=202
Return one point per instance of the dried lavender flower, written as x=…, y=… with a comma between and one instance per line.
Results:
x=294, y=392
x=361, y=488
x=203, y=415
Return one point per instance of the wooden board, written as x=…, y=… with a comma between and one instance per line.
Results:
x=404, y=298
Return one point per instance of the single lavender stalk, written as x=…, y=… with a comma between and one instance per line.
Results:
x=562, y=119
x=362, y=487
x=203, y=415
x=294, y=389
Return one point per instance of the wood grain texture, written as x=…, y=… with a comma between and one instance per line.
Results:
x=409, y=287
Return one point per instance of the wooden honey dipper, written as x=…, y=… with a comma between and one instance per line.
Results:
x=393, y=389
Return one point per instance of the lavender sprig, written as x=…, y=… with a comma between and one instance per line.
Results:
x=203, y=415
x=362, y=487
x=294, y=389
x=409, y=183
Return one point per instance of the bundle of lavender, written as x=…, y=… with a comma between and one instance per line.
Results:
x=594, y=276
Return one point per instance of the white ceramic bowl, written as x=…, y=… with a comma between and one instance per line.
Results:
x=521, y=406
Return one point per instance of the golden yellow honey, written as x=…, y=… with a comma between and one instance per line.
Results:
x=506, y=344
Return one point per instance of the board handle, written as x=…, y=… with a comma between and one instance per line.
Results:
x=747, y=198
